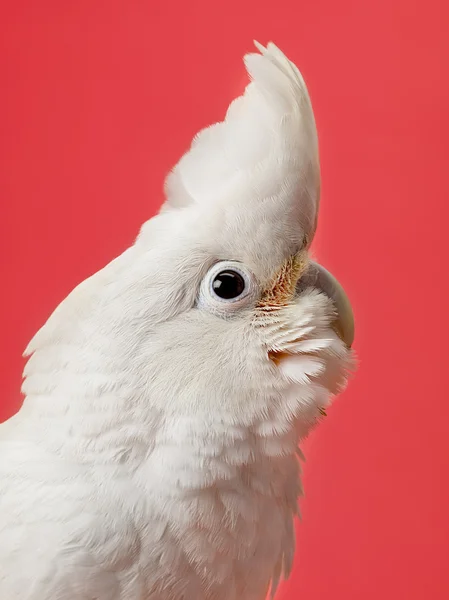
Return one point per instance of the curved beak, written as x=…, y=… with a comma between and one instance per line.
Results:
x=318, y=277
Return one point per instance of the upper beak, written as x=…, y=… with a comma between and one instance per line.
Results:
x=318, y=277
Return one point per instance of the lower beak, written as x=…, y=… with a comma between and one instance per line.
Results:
x=318, y=277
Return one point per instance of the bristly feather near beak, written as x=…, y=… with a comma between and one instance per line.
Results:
x=282, y=290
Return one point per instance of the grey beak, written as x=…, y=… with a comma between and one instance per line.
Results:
x=318, y=277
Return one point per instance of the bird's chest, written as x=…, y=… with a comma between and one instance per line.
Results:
x=214, y=529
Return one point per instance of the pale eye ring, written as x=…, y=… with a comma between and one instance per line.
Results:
x=228, y=285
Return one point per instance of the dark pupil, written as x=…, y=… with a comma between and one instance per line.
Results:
x=228, y=285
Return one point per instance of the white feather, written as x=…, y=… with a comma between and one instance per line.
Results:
x=265, y=149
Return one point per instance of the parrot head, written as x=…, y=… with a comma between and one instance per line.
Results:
x=216, y=313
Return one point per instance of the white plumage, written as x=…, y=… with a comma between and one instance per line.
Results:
x=156, y=453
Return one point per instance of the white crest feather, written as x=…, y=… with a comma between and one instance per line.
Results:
x=266, y=147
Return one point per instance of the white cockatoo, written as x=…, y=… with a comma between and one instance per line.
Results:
x=155, y=456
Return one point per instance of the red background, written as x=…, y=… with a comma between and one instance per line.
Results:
x=98, y=101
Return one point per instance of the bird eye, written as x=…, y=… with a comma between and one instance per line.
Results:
x=227, y=286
